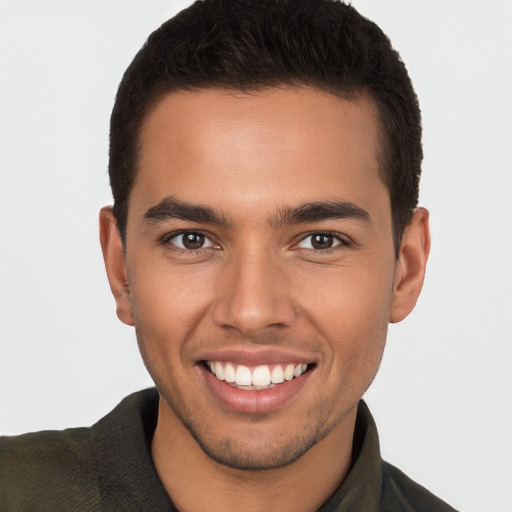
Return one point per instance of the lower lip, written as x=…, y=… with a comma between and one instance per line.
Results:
x=253, y=401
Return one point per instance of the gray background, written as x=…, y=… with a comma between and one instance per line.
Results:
x=443, y=397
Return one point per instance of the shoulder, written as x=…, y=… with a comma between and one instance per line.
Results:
x=104, y=467
x=42, y=470
x=399, y=492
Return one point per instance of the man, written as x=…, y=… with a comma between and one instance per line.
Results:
x=264, y=162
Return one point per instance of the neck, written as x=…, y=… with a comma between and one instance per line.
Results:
x=192, y=479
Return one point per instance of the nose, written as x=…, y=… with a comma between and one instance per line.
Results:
x=254, y=294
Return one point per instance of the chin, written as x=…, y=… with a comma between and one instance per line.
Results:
x=242, y=456
x=261, y=447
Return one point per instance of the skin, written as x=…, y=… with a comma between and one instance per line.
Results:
x=258, y=286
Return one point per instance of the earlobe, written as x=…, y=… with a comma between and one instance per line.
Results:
x=115, y=264
x=410, y=267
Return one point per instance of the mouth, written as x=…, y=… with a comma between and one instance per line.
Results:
x=259, y=377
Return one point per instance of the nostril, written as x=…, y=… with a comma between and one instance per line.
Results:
x=251, y=320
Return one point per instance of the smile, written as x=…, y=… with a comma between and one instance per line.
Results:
x=255, y=388
x=258, y=377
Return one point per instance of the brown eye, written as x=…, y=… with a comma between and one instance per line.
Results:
x=191, y=241
x=319, y=241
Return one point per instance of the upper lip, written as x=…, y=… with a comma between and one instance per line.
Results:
x=255, y=357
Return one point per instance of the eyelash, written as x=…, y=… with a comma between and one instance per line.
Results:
x=341, y=240
x=166, y=240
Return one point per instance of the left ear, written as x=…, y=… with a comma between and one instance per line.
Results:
x=115, y=264
x=410, y=266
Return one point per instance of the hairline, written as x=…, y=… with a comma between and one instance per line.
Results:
x=382, y=149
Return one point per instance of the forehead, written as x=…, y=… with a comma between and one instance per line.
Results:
x=275, y=146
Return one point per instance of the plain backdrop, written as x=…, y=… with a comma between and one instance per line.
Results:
x=443, y=397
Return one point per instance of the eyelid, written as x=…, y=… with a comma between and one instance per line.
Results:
x=166, y=240
x=342, y=241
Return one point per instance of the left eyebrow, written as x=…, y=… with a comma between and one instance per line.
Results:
x=173, y=208
x=320, y=211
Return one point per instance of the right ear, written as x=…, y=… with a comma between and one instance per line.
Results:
x=115, y=264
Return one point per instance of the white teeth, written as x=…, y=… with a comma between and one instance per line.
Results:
x=277, y=375
x=298, y=370
x=219, y=370
x=261, y=376
x=229, y=373
x=243, y=376
x=288, y=372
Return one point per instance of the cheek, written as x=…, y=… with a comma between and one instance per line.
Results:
x=167, y=303
x=351, y=312
x=347, y=297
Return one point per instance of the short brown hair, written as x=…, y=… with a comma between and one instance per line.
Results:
x=249, y=45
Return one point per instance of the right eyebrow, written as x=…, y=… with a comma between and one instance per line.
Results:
x=320, y=211
x=173, y=208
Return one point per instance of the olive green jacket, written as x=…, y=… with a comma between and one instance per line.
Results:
x=108, y=467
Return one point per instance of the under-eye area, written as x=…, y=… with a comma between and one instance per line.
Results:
x=256, y=377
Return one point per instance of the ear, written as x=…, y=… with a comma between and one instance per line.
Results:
x=115, y=264
x=410, y=267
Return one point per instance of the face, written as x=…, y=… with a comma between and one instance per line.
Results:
x=260, y=267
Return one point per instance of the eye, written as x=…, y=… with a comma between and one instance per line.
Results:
x=190, y=241
x=320, y=241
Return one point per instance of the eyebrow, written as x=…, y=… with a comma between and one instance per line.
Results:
x=173, y=208
x=319, y=211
